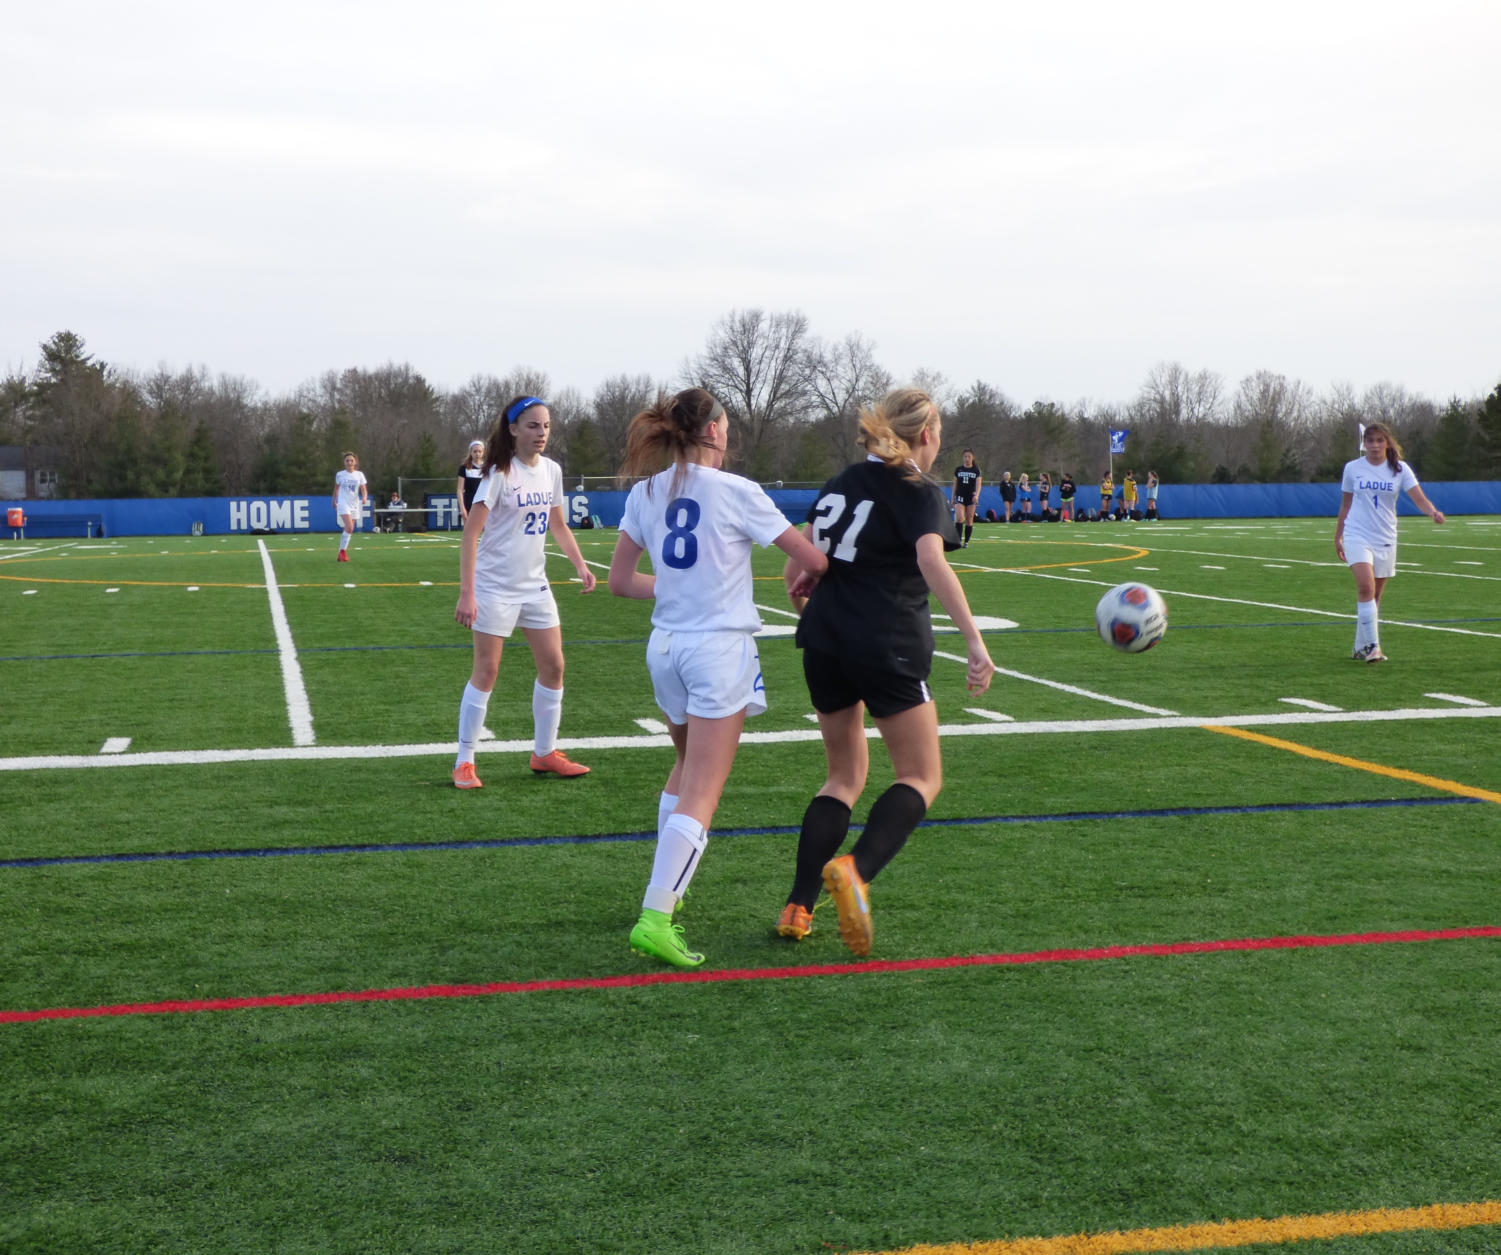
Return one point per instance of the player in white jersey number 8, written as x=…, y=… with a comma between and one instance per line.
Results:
x=698, y=523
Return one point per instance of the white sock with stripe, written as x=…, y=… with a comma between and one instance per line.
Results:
x=679, y=845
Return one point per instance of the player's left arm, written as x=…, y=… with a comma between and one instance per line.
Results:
x=557, y=524
x=1420, y=499
x=944, y=585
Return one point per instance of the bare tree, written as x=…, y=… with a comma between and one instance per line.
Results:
x=1275, y=417
x=616, y=401
x=843, y=377
x=757, y=365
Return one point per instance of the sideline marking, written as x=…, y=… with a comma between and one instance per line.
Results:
x=698, y=976
x=1379, y=769
x=1309, y=704
x=115, y=745
x=1452, y=697
x=440, y=749
x=1229, y=1233
x=299, y=709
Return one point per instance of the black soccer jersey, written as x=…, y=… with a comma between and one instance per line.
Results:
x=965, y=480
x=872, y=604
x=471, y=475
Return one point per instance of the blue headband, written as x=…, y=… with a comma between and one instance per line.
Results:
x=517, y=408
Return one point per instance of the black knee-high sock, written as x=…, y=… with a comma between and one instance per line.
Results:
x=826, y=823
x=896, y=813
x=969, y=530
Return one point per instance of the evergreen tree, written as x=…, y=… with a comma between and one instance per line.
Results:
x=200, y=471
x=1488, y=448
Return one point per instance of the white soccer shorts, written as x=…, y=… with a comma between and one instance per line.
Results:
x=711, y=675
x=1383, y=558
x=501, y=618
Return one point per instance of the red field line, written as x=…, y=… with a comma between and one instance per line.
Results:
x=699, y=976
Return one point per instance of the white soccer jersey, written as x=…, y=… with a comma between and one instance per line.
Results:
x=348, y=485
x=510, y=562
x=1373, y=499
x=699, y=539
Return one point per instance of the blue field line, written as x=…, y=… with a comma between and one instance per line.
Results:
x=633, y=640
x=504, y=843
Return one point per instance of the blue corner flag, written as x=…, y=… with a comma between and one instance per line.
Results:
x=1118, y=439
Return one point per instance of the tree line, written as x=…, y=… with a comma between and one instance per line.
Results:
x=793, y=396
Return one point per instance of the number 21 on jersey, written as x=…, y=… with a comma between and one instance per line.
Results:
x=829, y=518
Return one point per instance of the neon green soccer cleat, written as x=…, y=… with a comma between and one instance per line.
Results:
x=657, y=937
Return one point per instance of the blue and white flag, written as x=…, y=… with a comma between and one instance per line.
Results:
x=1118, y=439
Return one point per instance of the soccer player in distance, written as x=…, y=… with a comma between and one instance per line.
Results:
x=503, y=582
x=867, y=641
x=698, y=523
x=1365, y=533
x=471, y=472
x=350, y=494
x=966, y=494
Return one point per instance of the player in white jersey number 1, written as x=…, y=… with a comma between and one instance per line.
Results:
x=503, y=582
x=1365, y=534
x=350, y=495
x=698, y=523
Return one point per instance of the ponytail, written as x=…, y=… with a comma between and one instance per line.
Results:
x=668, y=430
x=890, y=427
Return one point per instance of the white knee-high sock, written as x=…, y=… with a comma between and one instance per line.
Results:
x=666, y=804
x=547, y=714
x=679, y=846
x=1367, y=630
x=343, y=541
x=472, y=708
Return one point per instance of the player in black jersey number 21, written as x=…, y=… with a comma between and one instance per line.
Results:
x=867, y=640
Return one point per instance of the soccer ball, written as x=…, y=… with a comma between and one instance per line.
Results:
x=1131, y=617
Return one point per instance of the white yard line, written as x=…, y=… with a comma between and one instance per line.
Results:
x=299, y=709
x=1455, y=698
x=1309, y=704
x=33, y=551
x=1260, y=605
x=445, y=749
x=1065, y=688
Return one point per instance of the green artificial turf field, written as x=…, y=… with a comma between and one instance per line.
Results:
x=1067, y=1025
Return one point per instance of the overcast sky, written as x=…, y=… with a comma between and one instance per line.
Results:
x=1051, y=196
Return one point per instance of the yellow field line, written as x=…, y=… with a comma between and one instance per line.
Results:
x=1135, y=553
x=1379, y=769
x=1229, y=1233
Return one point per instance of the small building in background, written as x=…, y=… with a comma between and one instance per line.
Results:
x=29, y=472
